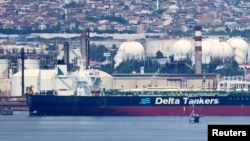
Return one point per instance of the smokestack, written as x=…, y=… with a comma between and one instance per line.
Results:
x=66, y=54
x=85, y=48
x=198, y=50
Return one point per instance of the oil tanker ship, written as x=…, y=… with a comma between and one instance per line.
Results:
x=139, y=105
x=86, y=98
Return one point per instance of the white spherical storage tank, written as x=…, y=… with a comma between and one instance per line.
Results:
x=214, y=48
x=239, y=56
x=206, y=47
x=31, y=79
x=238, y=43
x=129, y=50
x=4, y=63
x=221, y=50
x=133, y=50
x=227, y=49
x=240, y=47
x=206, y=51
x=181, y=49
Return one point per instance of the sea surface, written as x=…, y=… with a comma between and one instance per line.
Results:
x=22, y=127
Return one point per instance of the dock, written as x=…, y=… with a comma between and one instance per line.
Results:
x=8, y=104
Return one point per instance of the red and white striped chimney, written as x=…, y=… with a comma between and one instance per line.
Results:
x=198, y=50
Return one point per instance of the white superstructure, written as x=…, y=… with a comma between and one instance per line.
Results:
x=60, y=82
x=235, y=83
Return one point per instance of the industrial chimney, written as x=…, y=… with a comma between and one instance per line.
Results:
x=85, y=49
x=198, y=50
x=66, y=55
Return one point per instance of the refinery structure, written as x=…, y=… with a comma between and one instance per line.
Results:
x=211, y=48
x=40, y=62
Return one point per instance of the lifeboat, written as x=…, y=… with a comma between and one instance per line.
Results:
x=95, y=91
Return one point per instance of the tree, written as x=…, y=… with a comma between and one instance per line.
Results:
x=159, y=54
x=126, y=67
x=228, y=68
x=96, y=52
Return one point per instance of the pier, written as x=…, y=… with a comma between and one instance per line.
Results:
x=8, y=104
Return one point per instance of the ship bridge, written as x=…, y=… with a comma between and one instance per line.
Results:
x=235, y=83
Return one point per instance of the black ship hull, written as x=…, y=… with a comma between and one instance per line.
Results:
x=138, y=105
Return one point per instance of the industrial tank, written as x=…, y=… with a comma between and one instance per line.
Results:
x=31, y=79
x=129, y=50
x=181, y=49
x=29, y=64
x=4, y=67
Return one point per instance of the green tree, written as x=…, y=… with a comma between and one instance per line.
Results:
x=159, y=54
x=227, y=68
x=97, y=52
x=150, y=66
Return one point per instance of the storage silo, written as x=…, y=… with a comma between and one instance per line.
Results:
x=4, y=67
x=181, y=49
x=31, y=79
x=29, y=64
x=129, y=50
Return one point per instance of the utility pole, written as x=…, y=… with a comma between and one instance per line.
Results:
x=22, y=58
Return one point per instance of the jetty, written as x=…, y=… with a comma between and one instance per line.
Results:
x=10, y=104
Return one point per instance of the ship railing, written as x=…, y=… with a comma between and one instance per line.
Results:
x=238, y=93
x=138, y=92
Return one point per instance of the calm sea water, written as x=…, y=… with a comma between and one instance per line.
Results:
x=22, y=127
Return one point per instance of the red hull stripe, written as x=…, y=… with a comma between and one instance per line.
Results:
x=153, y=110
